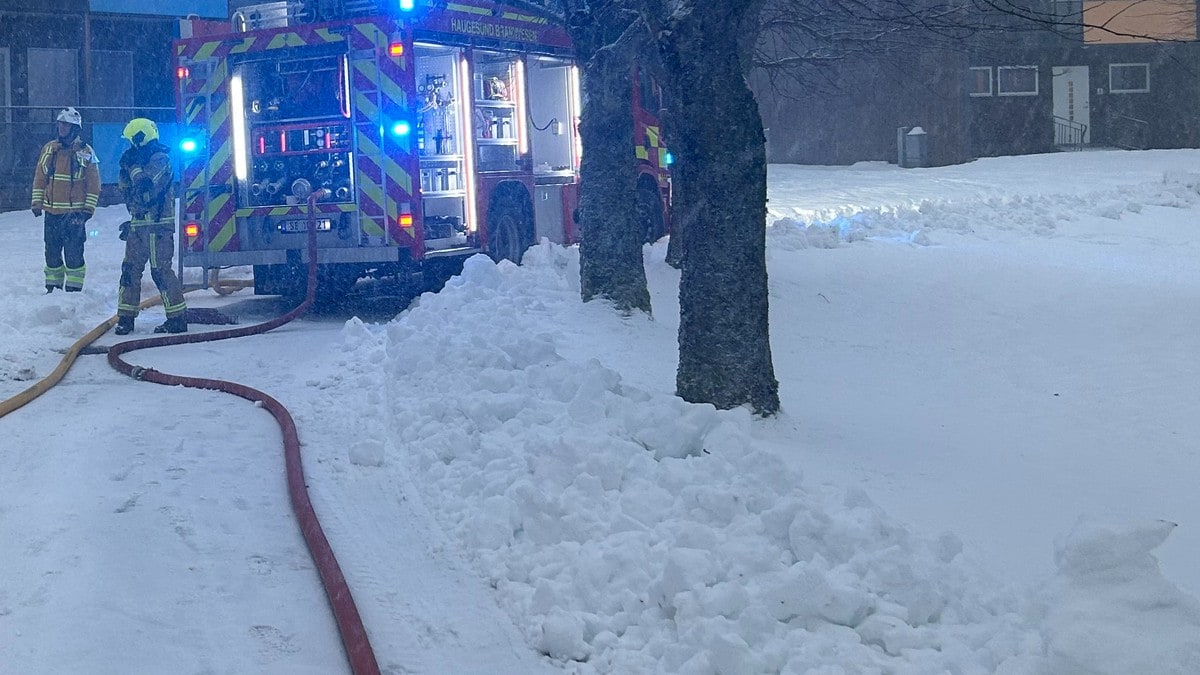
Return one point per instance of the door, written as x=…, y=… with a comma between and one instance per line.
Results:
x=1072, y=116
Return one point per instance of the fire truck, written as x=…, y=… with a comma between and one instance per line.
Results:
x=432, y=130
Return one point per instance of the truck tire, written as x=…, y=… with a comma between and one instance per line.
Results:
x=510, y=226
x=650, y=211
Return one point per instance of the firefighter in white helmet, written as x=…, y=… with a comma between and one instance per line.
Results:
x=147, y=182
x=66, y=186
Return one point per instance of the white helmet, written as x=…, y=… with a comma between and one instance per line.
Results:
x=70, y=116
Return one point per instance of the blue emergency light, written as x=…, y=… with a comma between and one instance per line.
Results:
x=407, y=5
x=669, y=159
x=189, y=145
x=401, y=128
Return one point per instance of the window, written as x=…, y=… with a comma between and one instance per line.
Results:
x=1129, y=78
x=1017, y=81
x=53, y=78
x=980, y=82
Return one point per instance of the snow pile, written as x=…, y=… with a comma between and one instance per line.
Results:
x=1113, y=612
x=629, y=531
x=35, y=328
x=983, y=215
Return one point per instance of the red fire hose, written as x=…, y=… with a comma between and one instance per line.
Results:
x=354, y=635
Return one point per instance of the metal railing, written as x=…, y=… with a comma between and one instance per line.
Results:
x=1129, y=133
x=1069, y=134
x=24, y=129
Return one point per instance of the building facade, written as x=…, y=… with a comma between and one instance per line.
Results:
x=1064, y=74
x=1116, y=73
x=111, y=59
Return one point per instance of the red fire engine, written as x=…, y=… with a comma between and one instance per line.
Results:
x=438, y=130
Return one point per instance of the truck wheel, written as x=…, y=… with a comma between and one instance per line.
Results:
x=508, y=222
x=333, y=285
x=650, y=213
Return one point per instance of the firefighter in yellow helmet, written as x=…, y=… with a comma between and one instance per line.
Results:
x=147, y=182
x=66, y=186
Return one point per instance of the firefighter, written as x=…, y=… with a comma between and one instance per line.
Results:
x=66, y=186
x=147, y=182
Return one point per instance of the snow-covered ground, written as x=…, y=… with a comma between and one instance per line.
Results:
x=989, y=441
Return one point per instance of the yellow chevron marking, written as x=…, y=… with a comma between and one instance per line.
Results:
x=527, y=18
x=197, y=182
x=219, y=157
x=219, y=116
x=329, y=36
x=390, y=168
x=393, y=91
x=641, y=153
x=371, y=227
x=372, y=33
x=370, y=190
x=367, y=107
x=227, y=229
x=399, y=176
x=393, y=211
x=247, y=43
x=216, y=81
x=469, y=9
x=367, y=68
x=195, y=108
x=652, y=135
x=206, y=51
x=286, y=40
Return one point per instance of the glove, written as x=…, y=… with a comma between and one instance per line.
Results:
x=37, y=213
x=124, y=231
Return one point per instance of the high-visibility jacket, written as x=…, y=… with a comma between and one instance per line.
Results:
x=66, y=178
x=147, y=181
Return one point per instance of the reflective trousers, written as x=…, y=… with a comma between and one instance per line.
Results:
x=154, y=244
x=65, y=234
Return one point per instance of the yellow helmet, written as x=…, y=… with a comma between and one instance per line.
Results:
x=140, y=131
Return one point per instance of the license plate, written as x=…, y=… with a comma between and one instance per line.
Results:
x=323, y=225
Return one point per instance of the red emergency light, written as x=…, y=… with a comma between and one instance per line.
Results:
x=396, y=50
x=406, y=220
x=182, y=72
x=192, y=230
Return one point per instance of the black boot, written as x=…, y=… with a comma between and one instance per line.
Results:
x=124, y=325
x=174, y=324
x=50, y=288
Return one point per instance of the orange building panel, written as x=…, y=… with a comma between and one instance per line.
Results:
x=1127, y=21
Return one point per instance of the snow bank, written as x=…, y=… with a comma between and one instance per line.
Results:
x=629, y=531
x=1033, y=214
x=1112, y=612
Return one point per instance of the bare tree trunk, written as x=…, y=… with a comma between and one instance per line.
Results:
x=720, y=179
x=610, y=249
x=675, y=245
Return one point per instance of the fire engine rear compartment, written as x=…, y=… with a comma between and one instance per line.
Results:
x=481, y=154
